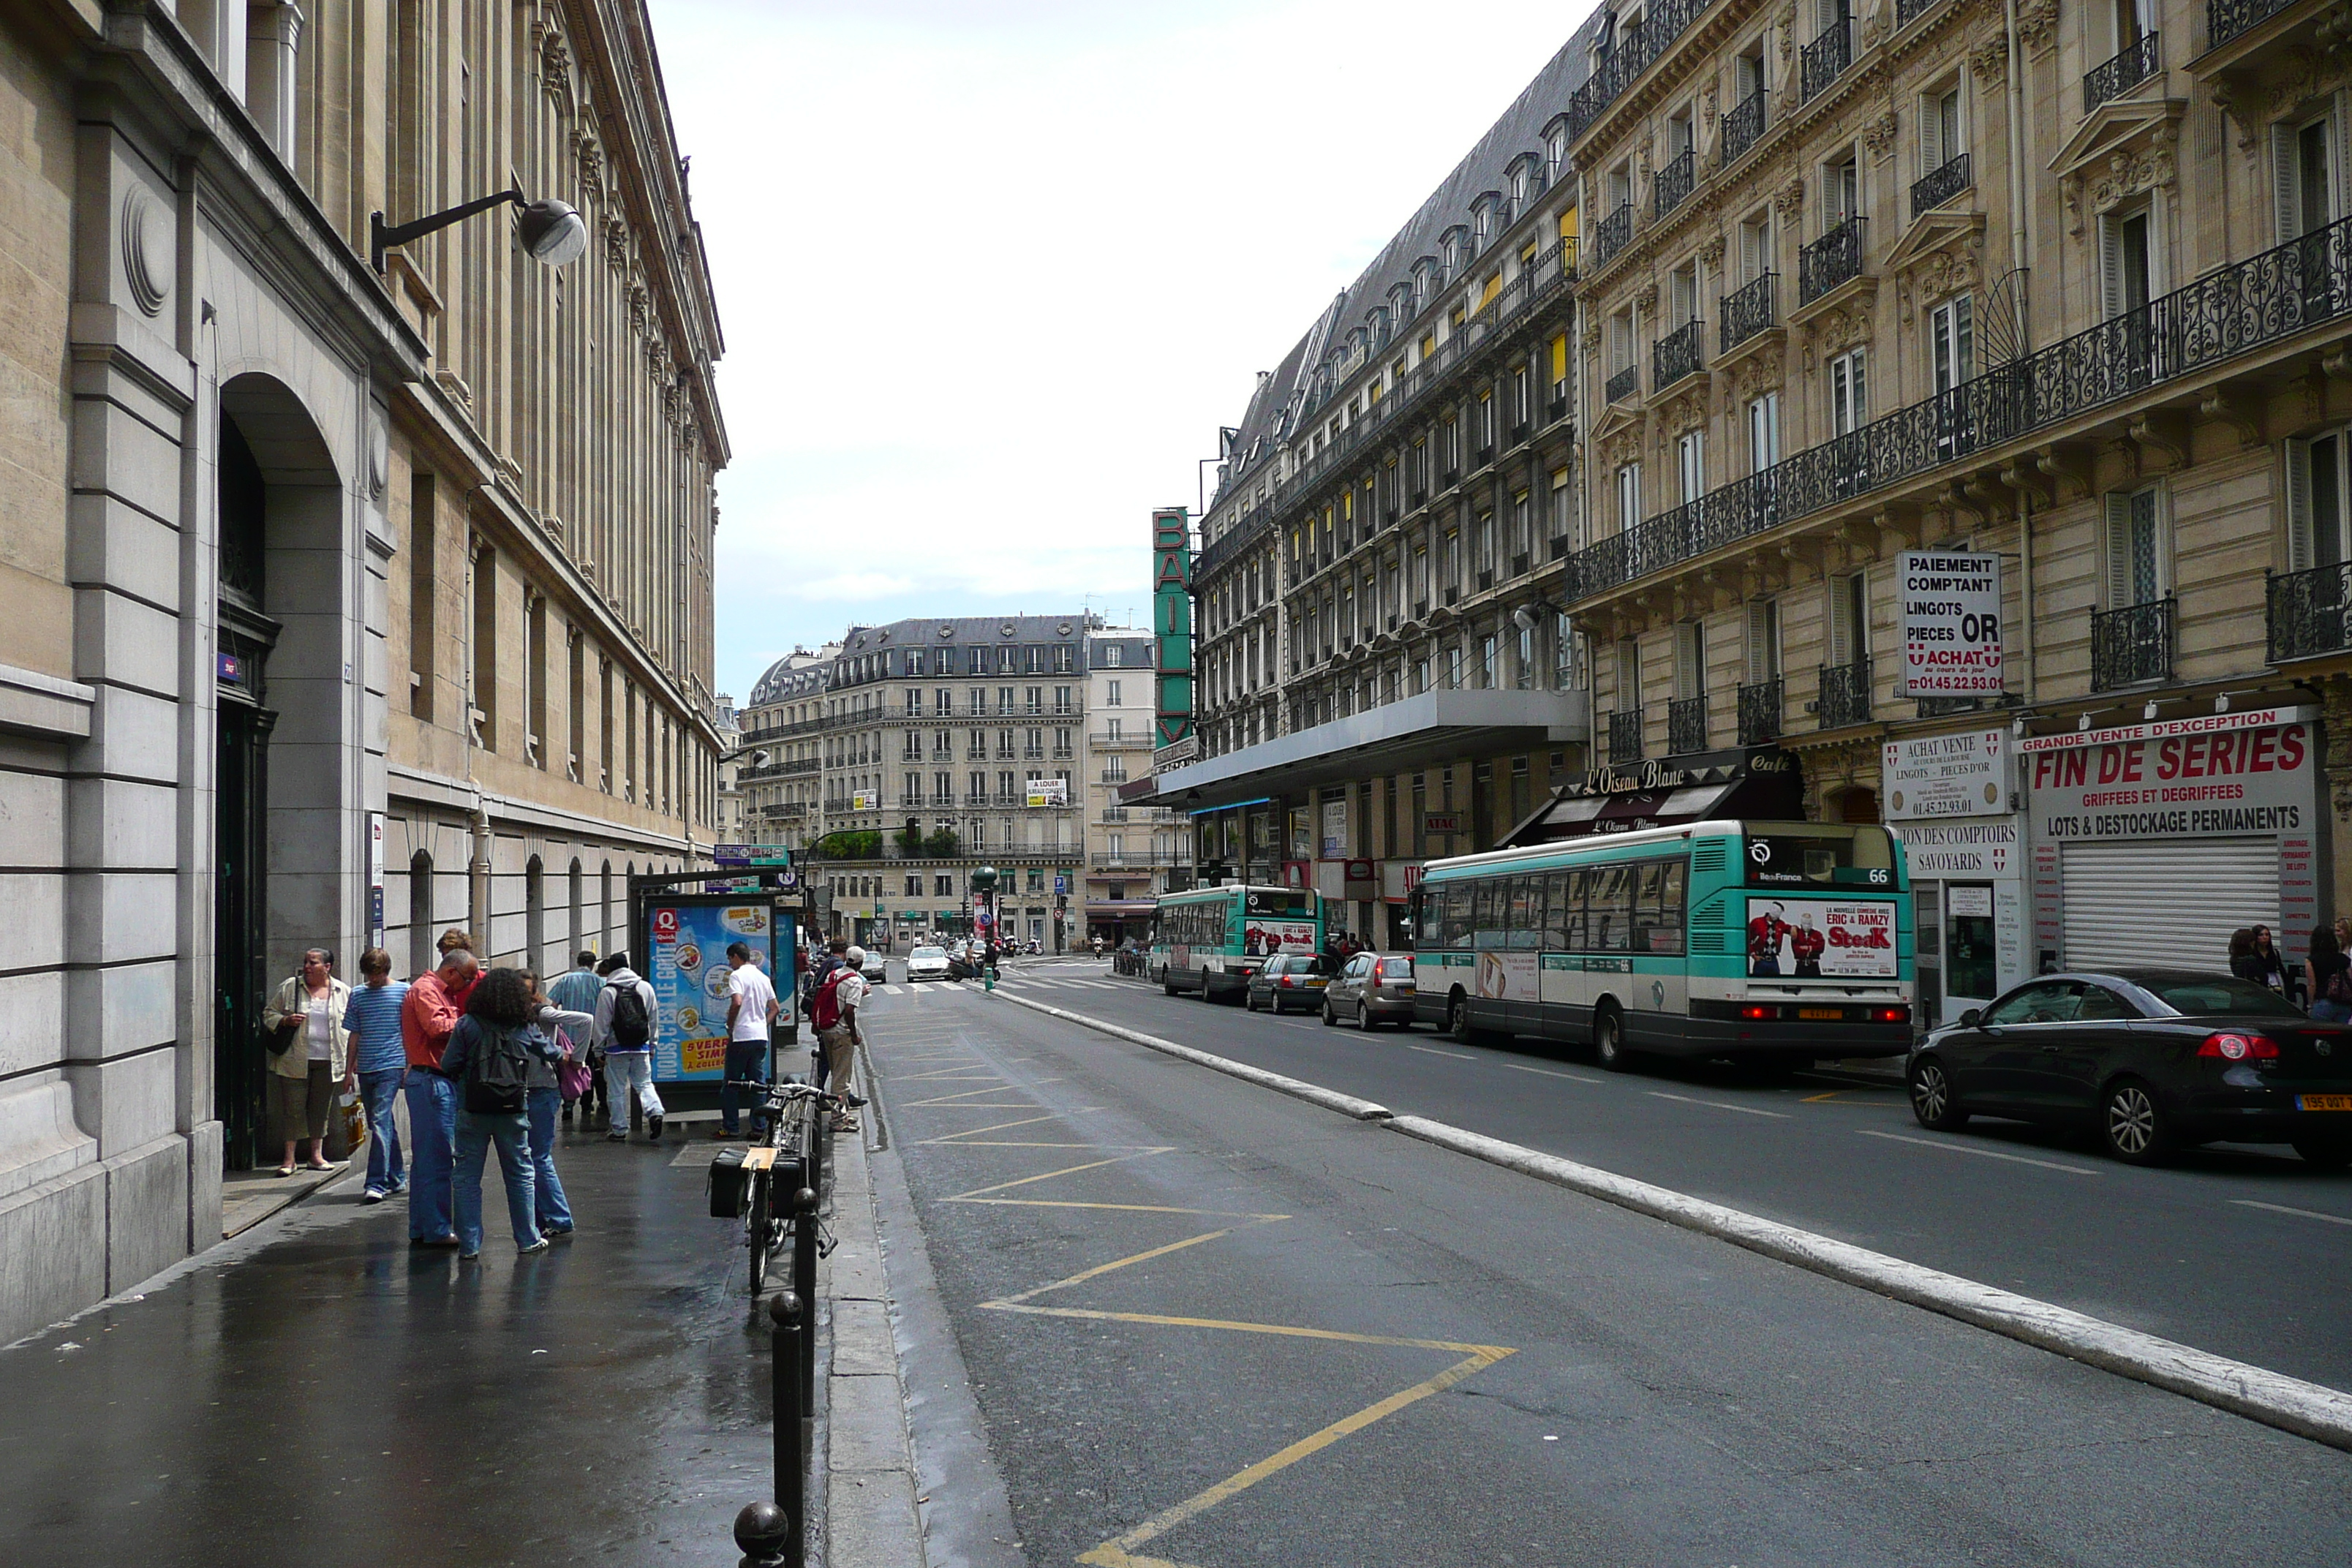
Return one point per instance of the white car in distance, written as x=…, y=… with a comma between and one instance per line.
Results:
x=928, y=963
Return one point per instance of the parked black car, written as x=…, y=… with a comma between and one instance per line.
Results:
x=1288, y=980
x=2156, y=1059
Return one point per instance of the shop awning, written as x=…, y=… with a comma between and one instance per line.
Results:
x=1761, y=784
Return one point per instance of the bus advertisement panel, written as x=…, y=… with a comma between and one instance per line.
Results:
x=1817, y=940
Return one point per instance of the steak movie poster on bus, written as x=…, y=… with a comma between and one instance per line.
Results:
x=1264, y=937
x=1809, y=939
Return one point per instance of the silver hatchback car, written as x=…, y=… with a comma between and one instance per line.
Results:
x=1372, y=988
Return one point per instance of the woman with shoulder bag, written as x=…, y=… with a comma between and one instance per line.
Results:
x=311, y=1054
x=551, y=1083
x=490, y=1054
x=2330, y=976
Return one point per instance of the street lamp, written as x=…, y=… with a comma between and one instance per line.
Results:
x=552, y=231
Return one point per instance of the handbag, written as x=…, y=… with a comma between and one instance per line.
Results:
x=573, y=1078
x=355, y=1121
x=2339, y=988
x=281, y=1037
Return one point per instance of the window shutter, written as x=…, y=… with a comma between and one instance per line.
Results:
x=1826, y=16
x=2283, y=184
x=1931, y=136
x=1860, y=392
x=1689, y=673
x=2298, y=506
x=2111, y=263
x=2340, y=147
x=2119, y=593
x=1760, y=637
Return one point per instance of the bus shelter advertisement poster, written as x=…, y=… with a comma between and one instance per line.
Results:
x=1809, y=939
x=690, y=980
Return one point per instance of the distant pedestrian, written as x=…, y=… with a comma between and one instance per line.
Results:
x=576, y=992
x=752, y=1009
x=625, y=1011
x=836, y=954
x=437, y=1000
x=372, y=1019
x=2343, y=934
x=308, y=1012
x=2270, y=964
x=2329, y=974
x=488, y=1056
x=2241, y=955
x=454, y=939
x=834, y=1010
x=568, y=1030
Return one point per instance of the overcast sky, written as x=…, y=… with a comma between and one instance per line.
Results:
x=991, y=275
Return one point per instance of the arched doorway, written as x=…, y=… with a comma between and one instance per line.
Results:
x=282, y=804
x=420, y=912
x=1857, y=802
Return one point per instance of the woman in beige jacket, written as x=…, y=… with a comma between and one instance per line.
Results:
x=307, y=1017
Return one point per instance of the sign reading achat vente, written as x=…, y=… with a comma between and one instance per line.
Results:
x=1951, y=623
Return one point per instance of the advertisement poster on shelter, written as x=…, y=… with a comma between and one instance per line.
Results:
x=689, y=977
x=1809, y=939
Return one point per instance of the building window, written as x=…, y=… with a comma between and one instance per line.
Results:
x=2139, y=565
x=1763, y=432
x=1848, y=393
x=1951, y=342
x=1629, y=495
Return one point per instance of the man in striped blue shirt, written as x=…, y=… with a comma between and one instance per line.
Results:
x=576, y=992
x=372, y=1019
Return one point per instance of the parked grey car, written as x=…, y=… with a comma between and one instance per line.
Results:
x=1288, y=980
x=1372, y=988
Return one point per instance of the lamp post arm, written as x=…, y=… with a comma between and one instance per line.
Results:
x=382, y=237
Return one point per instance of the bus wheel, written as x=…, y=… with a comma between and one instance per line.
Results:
x=1168, y=981
x=1457, y=1019
x=1609, y=1041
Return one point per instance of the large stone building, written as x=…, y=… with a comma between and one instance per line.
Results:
x=1384, y=673
x=1134, y=853
x=321, y=580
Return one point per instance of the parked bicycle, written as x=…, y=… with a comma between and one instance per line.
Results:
x=784, y=1151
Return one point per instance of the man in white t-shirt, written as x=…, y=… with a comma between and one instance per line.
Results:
x=752, y=1009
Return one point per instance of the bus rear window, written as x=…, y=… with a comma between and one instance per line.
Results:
x=1820, y=854
x=1279, y=902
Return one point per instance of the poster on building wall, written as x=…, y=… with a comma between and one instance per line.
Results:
x=689, y=975
x=1302, y=842
x=1809, y=939
x=1936, y=849
x=1335, y=829
x=2187, y=778
x=1950, y=604
x=1049, y=792
x=1966, y=774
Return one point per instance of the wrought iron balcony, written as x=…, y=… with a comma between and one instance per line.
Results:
x=2113, y=78
x=1909, y=11
x=1674, y=181
x=1679, y=354
x=1746, y=312
x=2307, y=613
x=1760, y=712
x=1624, y=383
x=1635, y=51
x=1939, y=186
x=1625, y=736
x=1612, y=233
x=1826, y=57
x=2225, y=19
x=1846, y=695
x=1829, y=260
x=2132, y=646
x=1743, y=125
x=1685, y=726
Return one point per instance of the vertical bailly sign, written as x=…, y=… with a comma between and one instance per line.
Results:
x=1951, y=623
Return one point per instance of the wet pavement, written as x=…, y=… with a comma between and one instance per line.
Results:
x=317, y=1390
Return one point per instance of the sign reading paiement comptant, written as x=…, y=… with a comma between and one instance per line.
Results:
x=1951, y=623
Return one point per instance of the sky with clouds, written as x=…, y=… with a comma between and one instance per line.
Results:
x=991, y=275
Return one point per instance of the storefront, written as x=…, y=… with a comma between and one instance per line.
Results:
x=1951, y=798
x=2153, y=842
x=1758, y=784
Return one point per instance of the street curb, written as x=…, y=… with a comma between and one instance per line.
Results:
x=1297, y=1088
x=870, y=1515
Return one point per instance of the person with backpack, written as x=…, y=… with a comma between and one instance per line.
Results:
x=564, y=1029
x=835, y=956
x=624, y=1030
x=832, y=1009
x=489, y=1056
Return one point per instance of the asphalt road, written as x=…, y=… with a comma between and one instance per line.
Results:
x=1205, y=1323
x=2245, y=1251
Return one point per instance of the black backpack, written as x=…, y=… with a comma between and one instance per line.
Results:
x=631, y=1027
x=497, y=1069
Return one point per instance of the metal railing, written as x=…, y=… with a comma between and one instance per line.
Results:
x=1760, y=712
x=2112, y=78
x=1612, y=233
x=1829, y=260
x=1685, y=726
x=1615, y=70
x=1679, y=354
x=1746, y=312
x=1825, y=58
x=2225, y=19
x=1909, y=11
x=1146, y=858
x=1625, y=736
x=2306, y=612
x=1844, y=695
x=1676, y=178
x=1938, y=186
x=2131, y=646
x=1624, y=383
x=1742, y=126
x=1123, y=741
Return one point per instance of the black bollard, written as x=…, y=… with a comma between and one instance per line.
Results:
x=763, y=1530
x=804, y=1285
x=820, y=1148
x=785, y=1312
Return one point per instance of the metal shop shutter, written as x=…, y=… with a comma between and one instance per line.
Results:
x=2168, y=901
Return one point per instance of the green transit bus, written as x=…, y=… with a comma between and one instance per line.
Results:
x=1212, y=940
x=1764, y=942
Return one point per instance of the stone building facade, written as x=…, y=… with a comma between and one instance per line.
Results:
x=345, y=605
x=1134, y=853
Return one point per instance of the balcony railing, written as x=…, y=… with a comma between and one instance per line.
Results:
x=1743, y=125
x=1624, y=383
x=1829, y=260
x=1674, y=181
x=1611, y=234
x=1633, y=54
x=1677, y=355
x=2114, y=78
x=2266, y=298
x=1826, y=57
x=2307, y=615
x=1746, y=313
x=2131, y=646
x=1760, y=712
x=1909, y=11
x=1122, y=741
x=1939, y=186
x=1685, y=726
x=1625, y=736
x=1846, y=695
x=2225, y=19
x=1142, y=859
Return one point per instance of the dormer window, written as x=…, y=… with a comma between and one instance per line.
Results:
x=1454, y=244
x=1483, y=215
x=1556, y=148
x=1376, y=323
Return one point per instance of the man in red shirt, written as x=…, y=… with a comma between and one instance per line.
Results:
x=436, y=1001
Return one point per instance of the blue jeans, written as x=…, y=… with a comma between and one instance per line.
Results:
x=547, y=1188
x=377, y=1091
x=510, y=1132
x=2328, y=1012
x=432, y=1133
x=747, y=1061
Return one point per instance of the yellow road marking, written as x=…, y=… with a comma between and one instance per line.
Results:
x=1127, y=1208
x=999, y=1127
x=1103, y=1269
x=1284, y=1330
x=1837, y=1097
x=1118, y=1552
x=963, y=1072
x=1066, y=1170
x=1026, y=1144
x=967, y=1094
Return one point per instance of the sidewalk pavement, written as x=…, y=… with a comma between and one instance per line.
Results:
x=868, y=1466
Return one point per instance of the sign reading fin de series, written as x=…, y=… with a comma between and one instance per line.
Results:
x=1951, y=623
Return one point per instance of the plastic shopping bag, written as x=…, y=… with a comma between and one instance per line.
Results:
x=354, y=1112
